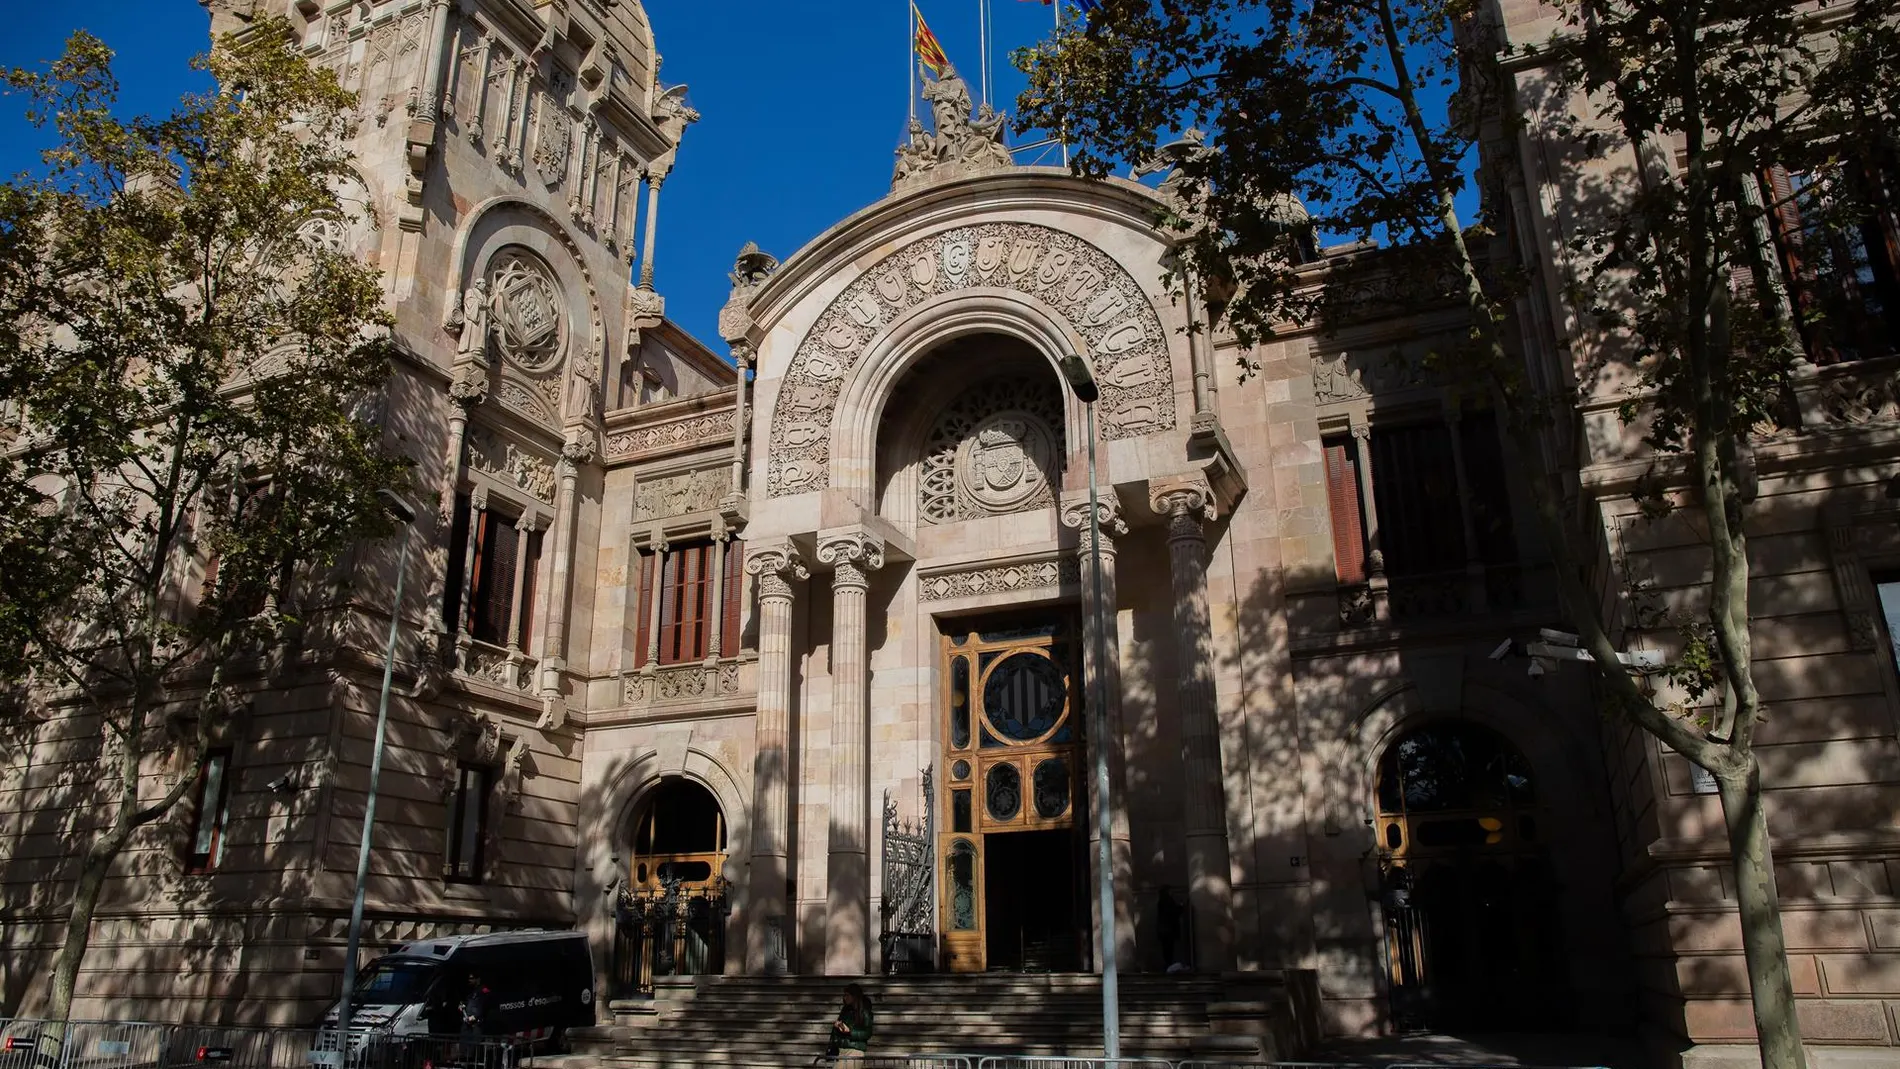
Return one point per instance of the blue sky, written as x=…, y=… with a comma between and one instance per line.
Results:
x=802, y=105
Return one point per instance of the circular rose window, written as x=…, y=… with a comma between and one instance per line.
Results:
x=1024, y=697
x=527, y=309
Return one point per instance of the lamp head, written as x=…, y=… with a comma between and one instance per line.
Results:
x=397, y=507
x=1080, y=378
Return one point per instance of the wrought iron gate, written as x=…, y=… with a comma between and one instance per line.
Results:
x=678, y=931
x=910, y=887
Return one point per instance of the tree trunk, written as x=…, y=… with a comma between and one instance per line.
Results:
x=92, y=881
x=1770, y=983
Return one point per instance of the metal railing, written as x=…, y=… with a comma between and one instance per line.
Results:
x=27, y=1043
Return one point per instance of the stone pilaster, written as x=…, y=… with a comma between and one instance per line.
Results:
x=1075, y=514
x=853, y=556
x=775, y=566
x=1210, y=883
x=578, y=450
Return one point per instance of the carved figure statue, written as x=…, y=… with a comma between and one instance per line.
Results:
x=475, y=308
x=583, y=391
x=1166, y=161
x=960, y=144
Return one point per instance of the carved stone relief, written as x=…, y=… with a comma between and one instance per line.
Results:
x=677, y=495
x=527, y=316
x=1352, y=375
x=996, y=449
x=1035, y=575
x=554, y=135
x=713, y=427
x=1100, y=301
x=489, y=452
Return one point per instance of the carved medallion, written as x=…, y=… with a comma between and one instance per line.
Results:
x=527, y=313
x=995, y=449
x=1102, y=304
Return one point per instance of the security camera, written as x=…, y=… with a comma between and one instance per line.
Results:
x=283, y=784
x=1503, y=650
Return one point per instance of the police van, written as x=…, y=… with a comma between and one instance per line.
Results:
x=530, y=985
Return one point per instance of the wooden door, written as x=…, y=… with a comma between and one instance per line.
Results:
x=1012, y=743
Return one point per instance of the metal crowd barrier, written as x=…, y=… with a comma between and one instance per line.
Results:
x=1040, y=1062
x=36, y=1044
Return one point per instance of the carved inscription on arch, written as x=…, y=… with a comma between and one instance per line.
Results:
x=1100, y=301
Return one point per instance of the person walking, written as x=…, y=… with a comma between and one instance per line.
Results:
x=851, y=1032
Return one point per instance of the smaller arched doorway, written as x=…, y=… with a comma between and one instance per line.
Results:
x=1470, y=906
x=671, y=911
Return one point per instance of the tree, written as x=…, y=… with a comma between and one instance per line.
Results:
x=190, y=362
x=1368, y=109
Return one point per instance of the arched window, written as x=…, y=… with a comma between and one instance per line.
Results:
x=680, y=832
x=1454, y=785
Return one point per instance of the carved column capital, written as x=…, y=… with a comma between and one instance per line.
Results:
x=1108, y=514
x=776, y=566
x=470, y=385
x=1362, y=431
x=853, y=556
x=1186, y=508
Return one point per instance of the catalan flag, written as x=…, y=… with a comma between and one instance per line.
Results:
x=929, y=52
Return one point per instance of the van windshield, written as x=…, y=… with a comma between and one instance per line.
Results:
x=394, y=982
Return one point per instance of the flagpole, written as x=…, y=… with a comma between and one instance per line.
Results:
x=910, y=65
x=1062, y=132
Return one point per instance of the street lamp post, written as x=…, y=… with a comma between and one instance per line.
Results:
x=1082, y=382
x=402, y=511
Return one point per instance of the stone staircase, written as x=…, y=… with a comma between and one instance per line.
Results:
x=731, y=1022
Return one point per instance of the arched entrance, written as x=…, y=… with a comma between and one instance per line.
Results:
x=1470, y=910
x=672, y=908
x=1012, y=845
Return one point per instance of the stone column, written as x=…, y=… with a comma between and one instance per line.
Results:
x=1376, y=583
x=579, y=450
x=477, y=508
x=655, y=179
x=775, y=566
x=853, y=555
x=1075, y=514
x=1210, y=884
x=716, y=607
x=658, y=545
x=464, y=394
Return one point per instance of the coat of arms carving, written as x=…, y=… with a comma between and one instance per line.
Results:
x=527, y=310
x=555, y=137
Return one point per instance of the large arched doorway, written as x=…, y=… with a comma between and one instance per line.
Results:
x=672, y=909
x=1470, y=910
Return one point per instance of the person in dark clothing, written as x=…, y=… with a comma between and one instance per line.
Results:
x=474, y=1007
x=851, y=1032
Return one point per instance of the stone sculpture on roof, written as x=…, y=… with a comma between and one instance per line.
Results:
x=961, y=144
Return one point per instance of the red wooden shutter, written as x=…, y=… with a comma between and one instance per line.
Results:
x=526, y=608
x=1342, y=492
x=496, y=604
x=643, y=627
x=734, y=595
x=669, y=607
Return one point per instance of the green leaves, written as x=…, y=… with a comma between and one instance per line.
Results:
x=186, y=346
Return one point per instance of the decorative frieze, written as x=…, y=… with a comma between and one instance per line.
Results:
x=711, y=428
x=1100, y=302
x=677, y=495
x=1001, y=578
x=680, y=683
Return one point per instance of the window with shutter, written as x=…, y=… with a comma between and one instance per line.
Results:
x=732, y=593
x=1490, y=495
x=1415, y=484
x=458, y=556
x=643, y=625
x=1342, y=493
x=1838, y=237
x=533, y=565
x=494, y=590
x=212, y=812
x=468, y=825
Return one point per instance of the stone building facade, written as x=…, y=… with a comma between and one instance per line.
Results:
x=776, y=656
